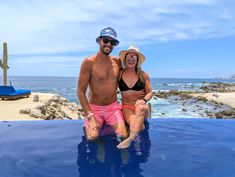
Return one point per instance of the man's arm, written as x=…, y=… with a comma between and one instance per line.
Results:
x=83, y=81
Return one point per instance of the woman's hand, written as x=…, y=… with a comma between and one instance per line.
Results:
x=139, y=102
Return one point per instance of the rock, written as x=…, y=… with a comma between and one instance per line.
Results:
x=225, y=114
x=36, y=98
x=36, y=113
x=43, y=109
x=43, y=117
x=59, y=115
x=60, y=101
x=64, y=99
x=38, y=107
x=73, y=104
x=52, y=110
x=79, y=108
x=201, y=98
x=55, y=98
x=215, y=95
x=57, y=108
x=155, y=97
x=68, y=113
x=184, y=94
x=25, y=111
x=218, y=87
x=56, y=105
x=47, y=103
x=80, y=114
x=48, y=117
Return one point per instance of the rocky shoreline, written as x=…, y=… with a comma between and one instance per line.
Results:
x=55, y=108
x=212, y=100
x=199, y=99
x=40, y=106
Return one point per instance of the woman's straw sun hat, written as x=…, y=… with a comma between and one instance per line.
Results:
x=134, y=49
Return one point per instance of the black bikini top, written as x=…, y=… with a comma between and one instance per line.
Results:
x=139, y=85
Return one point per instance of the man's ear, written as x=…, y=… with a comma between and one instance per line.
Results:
x=99, y=40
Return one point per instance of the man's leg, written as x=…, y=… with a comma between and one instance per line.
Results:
x=91, y=132
x=116, y=121
x=114, y=118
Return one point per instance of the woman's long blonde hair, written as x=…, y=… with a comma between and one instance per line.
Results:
x=138, y=68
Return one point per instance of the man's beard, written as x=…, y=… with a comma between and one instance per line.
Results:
x=104, y=52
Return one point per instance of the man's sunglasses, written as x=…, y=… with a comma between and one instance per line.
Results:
x=112, y=42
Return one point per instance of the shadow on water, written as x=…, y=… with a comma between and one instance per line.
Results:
x=102, y=159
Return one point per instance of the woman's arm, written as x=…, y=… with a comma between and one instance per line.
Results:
x=148, y=91
x=148, y=88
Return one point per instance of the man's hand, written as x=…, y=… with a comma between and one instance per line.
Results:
x=134, y=95
x=140, y=94
x=93, y=124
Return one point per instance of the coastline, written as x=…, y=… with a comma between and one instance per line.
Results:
x=227, y=98
x=212, y=100
x=215, y=100
x=48, y=103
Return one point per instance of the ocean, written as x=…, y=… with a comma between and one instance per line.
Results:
x=161, y=108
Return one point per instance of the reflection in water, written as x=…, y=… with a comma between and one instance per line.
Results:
x=103, y=159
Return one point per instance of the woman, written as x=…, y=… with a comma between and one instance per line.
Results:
x=132, y=80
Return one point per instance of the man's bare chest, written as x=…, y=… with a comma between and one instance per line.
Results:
x=105, y=72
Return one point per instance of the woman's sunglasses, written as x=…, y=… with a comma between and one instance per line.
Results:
x=133, y=57
x=112, y=42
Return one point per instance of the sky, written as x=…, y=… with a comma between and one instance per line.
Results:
x=179, y=38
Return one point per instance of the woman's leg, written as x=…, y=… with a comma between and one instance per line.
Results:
x=141, y=113
x=135, y=120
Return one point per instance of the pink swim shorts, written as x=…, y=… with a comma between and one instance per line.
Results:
x=108, y=114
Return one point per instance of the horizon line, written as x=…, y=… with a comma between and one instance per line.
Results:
x=222, y=78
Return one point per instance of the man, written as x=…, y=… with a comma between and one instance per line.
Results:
x=100, y=72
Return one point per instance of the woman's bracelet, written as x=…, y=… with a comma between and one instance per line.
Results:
x=145, y=100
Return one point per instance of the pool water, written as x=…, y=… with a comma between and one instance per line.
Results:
x=166, y=148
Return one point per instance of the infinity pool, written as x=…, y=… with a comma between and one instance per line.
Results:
x=166, y=148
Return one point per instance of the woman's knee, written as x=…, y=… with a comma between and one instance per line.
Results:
x=141, y=108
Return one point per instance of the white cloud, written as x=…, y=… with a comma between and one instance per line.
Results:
x=57, y=26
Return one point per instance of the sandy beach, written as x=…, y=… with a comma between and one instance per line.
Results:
x=10, y=109
x=227, y=98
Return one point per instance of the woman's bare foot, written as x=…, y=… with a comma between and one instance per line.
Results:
x=125, y=143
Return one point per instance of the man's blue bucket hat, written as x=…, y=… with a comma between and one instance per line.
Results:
x=108, y=32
